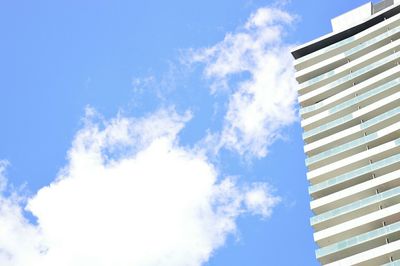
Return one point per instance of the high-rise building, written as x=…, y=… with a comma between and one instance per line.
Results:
x=349, y=93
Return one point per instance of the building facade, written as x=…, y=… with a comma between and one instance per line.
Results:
x=349, y=93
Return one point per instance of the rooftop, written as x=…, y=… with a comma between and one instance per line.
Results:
x=351, y=23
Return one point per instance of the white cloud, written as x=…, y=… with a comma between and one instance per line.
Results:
x=129, y=195
x=261, y=105
x=268, y=17
x=3, y=180
x=19, y=240
x=258, y=201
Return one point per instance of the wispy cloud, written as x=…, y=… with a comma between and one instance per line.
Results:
x=255, y=66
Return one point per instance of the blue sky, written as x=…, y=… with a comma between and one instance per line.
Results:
x=165, y=130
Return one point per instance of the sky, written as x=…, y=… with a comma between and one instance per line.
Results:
x=154, y=132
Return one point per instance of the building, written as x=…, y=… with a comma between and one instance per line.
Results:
x=349, y=93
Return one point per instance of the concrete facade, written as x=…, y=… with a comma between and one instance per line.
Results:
x=349, y=93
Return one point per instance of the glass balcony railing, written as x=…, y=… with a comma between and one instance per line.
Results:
x=372, y=41
x=327, y=126
x=342, y=148
x=350, y=52
x=347, y=118
x=356, y=173
x=311, y=108
x=392, y=193
x=359, y=98
x=393, y=263
x=354, y=143
x=357, y=240
x=381, y=117
x=385, y=87
x=360, y=71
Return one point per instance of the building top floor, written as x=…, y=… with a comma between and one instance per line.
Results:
x=351, y=23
